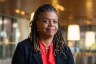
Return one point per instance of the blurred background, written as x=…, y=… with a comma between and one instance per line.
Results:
x=77, y=19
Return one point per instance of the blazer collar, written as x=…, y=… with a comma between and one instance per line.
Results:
x=38, y=58
x=59, y=58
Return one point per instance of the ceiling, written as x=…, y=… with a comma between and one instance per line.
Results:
x=82, y=12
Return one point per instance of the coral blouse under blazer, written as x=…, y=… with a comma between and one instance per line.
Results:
x=24, y=54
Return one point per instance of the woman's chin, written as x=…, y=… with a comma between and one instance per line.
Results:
x=51, y=35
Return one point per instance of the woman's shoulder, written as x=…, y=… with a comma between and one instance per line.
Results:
x=26, y=43
x=67, y=48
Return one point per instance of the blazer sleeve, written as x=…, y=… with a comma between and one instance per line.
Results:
x=70, y=59
x=18, y=57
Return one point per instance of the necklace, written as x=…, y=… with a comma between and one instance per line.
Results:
x=47, y=49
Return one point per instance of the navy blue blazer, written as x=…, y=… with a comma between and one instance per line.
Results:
x=24, y=54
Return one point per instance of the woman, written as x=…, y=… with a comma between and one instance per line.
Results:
x=45, y=44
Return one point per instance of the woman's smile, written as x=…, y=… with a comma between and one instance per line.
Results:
x=52, y=29
x=48, y=24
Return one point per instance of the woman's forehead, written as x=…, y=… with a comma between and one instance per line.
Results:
x=48, y=14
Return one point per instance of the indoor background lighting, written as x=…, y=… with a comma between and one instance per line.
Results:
x=73, y=32
x=89, y=38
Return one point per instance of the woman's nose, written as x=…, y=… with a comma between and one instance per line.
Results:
x=51, y=23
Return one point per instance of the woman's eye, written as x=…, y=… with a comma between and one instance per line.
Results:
x=55, y=22
x=46, y=21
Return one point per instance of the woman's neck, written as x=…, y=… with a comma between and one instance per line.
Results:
x=46, y=41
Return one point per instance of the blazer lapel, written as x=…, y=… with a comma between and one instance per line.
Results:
x=38, y=58
x=60, y=59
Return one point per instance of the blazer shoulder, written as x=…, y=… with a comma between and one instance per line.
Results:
x=68, y=51
x=21, y=52
x=70, y=58
x=25, y=43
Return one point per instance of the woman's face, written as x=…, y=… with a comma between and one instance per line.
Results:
x=47, y=24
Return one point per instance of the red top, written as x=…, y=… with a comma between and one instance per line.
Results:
x=47, y=56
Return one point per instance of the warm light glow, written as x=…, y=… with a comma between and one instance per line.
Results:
x=89, y=38
x=73, y=32
x=70, y=44
x=89, y=8
x=6, y=41
x=89, y=4
x=57, y=5
x=17, y=11
x=88, y=22
x=60, y=7
x=54, y=2
x=32, y=14
x=22, y=13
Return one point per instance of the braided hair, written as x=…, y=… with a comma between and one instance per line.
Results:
x=59, y=44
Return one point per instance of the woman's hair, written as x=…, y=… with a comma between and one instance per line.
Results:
x=60, y=46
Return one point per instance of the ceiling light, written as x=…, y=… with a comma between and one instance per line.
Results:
x=22, y=13
x=17, y=11
x=60, y=7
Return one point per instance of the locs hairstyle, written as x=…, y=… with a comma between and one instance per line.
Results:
x=59, y=44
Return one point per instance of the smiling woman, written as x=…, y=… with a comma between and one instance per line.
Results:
x=45, y=33
x=48, y=25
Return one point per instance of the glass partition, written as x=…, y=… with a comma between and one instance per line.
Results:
x=9, y=35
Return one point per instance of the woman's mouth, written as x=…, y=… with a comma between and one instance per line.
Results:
x=51, y=30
